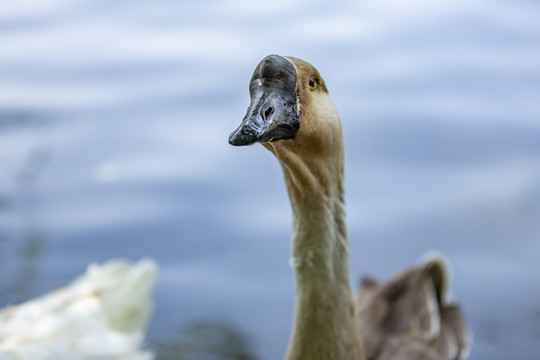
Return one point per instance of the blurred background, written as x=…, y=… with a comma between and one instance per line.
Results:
x=114, y=119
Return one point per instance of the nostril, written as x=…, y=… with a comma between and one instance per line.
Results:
x=268, y=112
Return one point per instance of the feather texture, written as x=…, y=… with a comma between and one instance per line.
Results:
x=100, y=316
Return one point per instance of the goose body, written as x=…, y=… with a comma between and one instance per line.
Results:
x=292, y=115
x=411, y=316
x=102, y=315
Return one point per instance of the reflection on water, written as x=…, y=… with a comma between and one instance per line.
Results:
x=22, y=278
x=205, y=339
x=24, y=242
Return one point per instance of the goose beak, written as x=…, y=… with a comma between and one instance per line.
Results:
x=272, y=114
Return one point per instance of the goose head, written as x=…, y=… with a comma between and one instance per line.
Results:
x=290, y=109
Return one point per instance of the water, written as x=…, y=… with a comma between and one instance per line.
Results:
x=114, y=121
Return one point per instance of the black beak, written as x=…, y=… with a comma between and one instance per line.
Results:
x=272, y=114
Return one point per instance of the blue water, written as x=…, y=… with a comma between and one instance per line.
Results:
x=114, y=119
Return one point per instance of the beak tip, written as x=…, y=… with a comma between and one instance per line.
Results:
x=233, y=141
x=237, y=138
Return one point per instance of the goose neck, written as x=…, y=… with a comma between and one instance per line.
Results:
x=325, y=326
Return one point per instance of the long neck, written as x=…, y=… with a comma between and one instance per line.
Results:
x=325, y=325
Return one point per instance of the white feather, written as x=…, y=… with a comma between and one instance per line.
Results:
x=100, y=316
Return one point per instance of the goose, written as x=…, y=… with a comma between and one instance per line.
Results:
x=102, y=315
x=293, y=116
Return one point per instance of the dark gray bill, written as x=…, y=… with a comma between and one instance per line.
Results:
x=272, y=113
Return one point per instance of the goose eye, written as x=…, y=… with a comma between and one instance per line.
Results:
x=313, y=83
